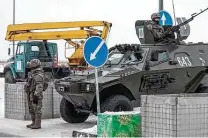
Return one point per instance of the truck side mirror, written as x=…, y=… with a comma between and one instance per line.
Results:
x=154, y=55
x=9, y=51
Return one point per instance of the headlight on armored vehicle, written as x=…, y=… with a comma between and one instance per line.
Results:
x=88, y=87
x=61, y=89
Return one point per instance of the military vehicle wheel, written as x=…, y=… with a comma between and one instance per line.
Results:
x=69, y=114
x=202, y=89
x=9, y=77
x=116, y=103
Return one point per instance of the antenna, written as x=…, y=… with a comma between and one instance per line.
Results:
x=174, y=11
x=160, y=5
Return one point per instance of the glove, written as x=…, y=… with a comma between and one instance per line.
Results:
x=26, y=88
x=35, y=99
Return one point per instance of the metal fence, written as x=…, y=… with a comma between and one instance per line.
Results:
x=184, y=115
x=16, y=106
x=56, y=104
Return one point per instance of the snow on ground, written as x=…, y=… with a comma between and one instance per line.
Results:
x=57, y=126
x=1, y=97
x=122, y=113
x=50, y=128
x=92, y=130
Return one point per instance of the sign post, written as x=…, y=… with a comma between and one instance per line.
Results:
x=97, y=91
x=13, y=23
x=96, y=54
x=160, y=5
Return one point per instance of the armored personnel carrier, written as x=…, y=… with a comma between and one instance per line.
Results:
x=168, y=67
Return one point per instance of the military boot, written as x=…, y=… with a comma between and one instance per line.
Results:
x=33, y=121
x=37, y=124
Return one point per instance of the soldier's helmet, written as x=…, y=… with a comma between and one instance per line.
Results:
x=155, y=17
x=34, y=63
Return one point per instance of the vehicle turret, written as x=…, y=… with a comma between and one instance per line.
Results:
x=146, y=37
x=172, y=34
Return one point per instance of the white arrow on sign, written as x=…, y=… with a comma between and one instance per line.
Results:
x=93, y=55
x=163, y=19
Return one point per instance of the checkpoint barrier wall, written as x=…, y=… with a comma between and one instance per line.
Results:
x=184, y=115
x=56, y=103
x=16, y=106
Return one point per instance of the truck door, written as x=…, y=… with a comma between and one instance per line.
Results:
x=20, y=59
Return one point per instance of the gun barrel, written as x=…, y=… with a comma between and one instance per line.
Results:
x=177, y=27
x=193, y=14
x=200, y=12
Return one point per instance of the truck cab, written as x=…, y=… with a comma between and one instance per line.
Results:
x=16, y=68
x=36, y=36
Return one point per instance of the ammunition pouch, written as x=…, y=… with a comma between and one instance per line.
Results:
x=45, y=82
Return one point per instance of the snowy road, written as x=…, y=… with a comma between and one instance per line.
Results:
x=50, y=127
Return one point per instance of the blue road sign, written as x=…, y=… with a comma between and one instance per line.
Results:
x=165, y=18
x=95, y=51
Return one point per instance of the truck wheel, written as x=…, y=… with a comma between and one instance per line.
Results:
x=116, y=103
x=69, y=114
x=9, y=77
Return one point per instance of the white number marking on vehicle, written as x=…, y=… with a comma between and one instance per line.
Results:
x=202, y=61
x=141, y=33
x=184, y=61
x=19, y=65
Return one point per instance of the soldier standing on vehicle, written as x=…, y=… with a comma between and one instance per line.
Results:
x=34, y=88
x=155, y=28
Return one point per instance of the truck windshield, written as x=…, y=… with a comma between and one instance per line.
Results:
x=115, y=58
x=20, y=50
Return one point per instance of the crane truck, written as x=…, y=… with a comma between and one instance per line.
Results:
x=33, y=43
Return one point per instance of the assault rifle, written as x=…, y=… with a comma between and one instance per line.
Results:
x=177, y=27
x=29, y=80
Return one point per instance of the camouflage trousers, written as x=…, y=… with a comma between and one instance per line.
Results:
x=33, y=107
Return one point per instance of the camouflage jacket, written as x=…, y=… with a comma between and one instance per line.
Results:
x=35, y=82
x=156, y=30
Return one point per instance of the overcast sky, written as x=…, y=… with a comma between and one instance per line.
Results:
x=122, y=14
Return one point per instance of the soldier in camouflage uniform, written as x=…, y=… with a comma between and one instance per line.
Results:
x=34, y=89
x=155, y=28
